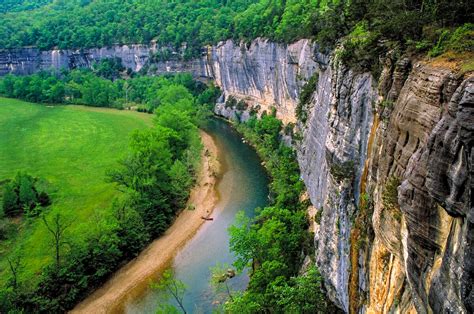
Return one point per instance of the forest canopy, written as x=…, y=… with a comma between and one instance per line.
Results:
x=193, y=24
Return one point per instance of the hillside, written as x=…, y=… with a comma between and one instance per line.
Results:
x=189, y=25
x=70, y=148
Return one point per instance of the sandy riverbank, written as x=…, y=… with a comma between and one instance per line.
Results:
x=134, y=278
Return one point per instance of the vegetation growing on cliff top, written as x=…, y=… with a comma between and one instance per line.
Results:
x=193, y=24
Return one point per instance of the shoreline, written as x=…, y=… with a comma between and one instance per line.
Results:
x=133, y=279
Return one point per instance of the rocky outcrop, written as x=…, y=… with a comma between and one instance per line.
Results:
x=424, y=144
x=335, y=140
x=264, y=74
x=30, y=60
x=415, y=127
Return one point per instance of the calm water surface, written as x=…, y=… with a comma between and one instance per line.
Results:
x=244, y=186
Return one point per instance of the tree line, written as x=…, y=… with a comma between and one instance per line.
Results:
x=193, y=24
x=103, y=86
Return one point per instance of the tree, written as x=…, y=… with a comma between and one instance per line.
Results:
x=181, y=182
x=173, y=94
x=27, y=192
x=303, y=294
x=56, y=93
x=57, y=227
x=171, y=288
x=131, y=231
x=109, y=68
x=15, y=265
x=220, y=276
x=11, y=202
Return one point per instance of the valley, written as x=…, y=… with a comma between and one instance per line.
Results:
x=344, y=134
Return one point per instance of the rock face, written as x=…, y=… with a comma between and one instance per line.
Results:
x=29, y=60
x=414, y=127
x=335, y=138
x=387, y=162
x=264, y=74
x=426, y=142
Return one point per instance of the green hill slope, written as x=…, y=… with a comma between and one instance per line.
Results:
x=71, y=147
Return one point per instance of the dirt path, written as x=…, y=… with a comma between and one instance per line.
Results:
x=133, y=278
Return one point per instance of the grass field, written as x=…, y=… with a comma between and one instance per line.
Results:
x=71, y=147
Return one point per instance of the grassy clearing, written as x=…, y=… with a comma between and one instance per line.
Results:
x=71, y=147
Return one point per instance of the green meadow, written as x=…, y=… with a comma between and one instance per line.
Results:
x=71, y=148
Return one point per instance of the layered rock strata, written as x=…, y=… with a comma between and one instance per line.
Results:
x=264, y=74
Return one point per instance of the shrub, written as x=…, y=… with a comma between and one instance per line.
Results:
x=318, y=216
x=21, y=195
x=7, y=229
x=231, y=102
x=360, y=50
x=305, y=97
x=242, y=105
x=390, y=193
x=343, y=171
x=459, y=40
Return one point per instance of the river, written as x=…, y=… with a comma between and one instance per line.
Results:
x=243, y=186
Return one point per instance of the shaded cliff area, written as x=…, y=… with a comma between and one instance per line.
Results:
x=387, y=161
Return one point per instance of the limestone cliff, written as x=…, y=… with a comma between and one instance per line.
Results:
x=414, y=127
x=29, y=60
x=387, y=162
x=263, y=73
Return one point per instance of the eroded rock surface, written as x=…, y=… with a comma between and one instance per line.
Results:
x=264, y=74
x=415, y=126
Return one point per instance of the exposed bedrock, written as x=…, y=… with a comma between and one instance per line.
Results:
x=263, y=73
x=413, y=127
x=424, y=243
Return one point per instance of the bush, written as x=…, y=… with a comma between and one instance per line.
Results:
x=231, y=103
x=318, y=216
x=21, y=196
x=343, y=171
x=460, y=40
x=242, y=105
x=360, y=49
x=305, y=97
x=390, y=193
x=7, y=229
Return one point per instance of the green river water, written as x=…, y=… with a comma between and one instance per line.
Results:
x=243, y=186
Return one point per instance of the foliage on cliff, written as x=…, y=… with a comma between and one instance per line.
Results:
x=274, y=243
x=192, y=24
